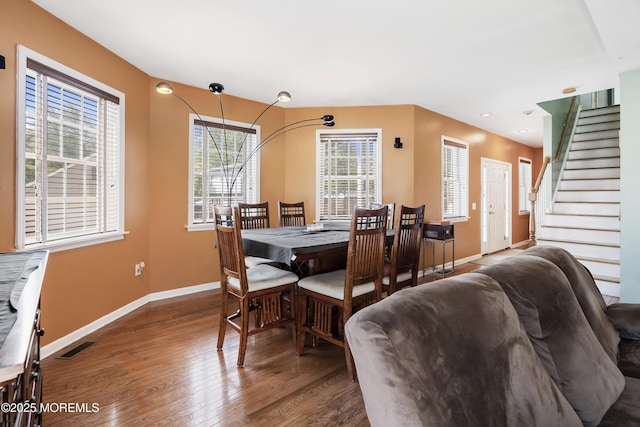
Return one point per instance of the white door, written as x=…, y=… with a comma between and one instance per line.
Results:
x=495, y=206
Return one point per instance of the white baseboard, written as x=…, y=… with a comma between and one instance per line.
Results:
x=78, y=334
x=523, y=243
x=429, y=270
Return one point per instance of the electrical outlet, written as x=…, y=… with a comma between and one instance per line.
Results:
x=138, y=270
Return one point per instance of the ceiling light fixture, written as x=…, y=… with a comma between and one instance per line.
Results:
x=527, y=112
x=485, y=114
x=568, y=90
x=229, y=166
x=523, y=130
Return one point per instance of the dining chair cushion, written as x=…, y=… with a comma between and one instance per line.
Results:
x=401, y=278
x=252, y=261
x=331, y=284
x=264, y=277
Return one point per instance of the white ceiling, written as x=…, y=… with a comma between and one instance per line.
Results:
x=459, y=58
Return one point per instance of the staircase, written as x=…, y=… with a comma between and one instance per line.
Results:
x=585, y=216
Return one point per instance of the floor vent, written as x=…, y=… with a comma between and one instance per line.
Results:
x=74, y=351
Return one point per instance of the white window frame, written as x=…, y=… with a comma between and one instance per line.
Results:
x=461, y=213
x=320, y=134
x=78, y=241
x=525, y=184
x=251, y=172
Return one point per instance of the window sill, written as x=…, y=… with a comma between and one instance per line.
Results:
x=201, y=227
x=457, y=219
x=76, y=242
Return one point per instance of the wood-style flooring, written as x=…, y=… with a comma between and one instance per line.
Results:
x=159, y=366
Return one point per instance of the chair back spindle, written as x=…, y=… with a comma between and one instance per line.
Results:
x=254, y=215
x=291, y=214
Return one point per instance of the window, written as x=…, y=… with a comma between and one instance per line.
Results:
x=455, y=179
x=219, y=171
x=349, y=172
x=524, y=184
x=70, y=157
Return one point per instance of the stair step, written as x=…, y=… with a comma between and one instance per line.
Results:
x=576, y=234
x=592, y=153
x=602, y=269
x=585, y=218
x=591, y=136
x=583, y=249
x=609, y=279
x=597, y=173
x=590, y=112
x=599, y=260
x=595, y=127
x=590, y=184
x=573, y=208
x=608, y=196
x=608, y=285
x=597, y=143
x=608, y=162
x=607, y=222
x=600, y=118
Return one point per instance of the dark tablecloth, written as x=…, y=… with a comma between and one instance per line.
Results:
x=285, y=244
x=282, y=244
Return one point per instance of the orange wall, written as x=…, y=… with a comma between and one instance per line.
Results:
x=81, y=285
x=429, y=129
x=178, y=257
x=397, y=165
x=410, y=175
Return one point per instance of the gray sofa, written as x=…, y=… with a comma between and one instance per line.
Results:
x=525, y=342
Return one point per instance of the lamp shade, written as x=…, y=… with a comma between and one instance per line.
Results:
x=216, y=88
x=164, y=88
x=284, y=96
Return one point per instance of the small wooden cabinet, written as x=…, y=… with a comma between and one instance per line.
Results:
x=20, y=373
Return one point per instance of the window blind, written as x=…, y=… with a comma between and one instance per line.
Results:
x=218, y=155
x=454, y=179
x=348, y=173
x=71, y=158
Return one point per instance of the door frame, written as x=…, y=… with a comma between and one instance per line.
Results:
x=484, y=217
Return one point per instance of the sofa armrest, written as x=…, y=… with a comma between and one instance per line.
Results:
x=626, y=319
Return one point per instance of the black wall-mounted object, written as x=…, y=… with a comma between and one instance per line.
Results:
x=398, y=143
x=2, y=63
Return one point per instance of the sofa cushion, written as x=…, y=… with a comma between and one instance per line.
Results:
x=626, y=410
x=564, y=341
x=452, y=353
x=587, y=292
x=629, y=358
x=626, y=319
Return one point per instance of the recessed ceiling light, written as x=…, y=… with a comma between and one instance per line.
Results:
x=523, y=131
x=568, y=90
x=485, y=114
x=527, y=112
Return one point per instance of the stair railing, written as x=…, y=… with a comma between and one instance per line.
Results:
x=533, y=196
x=565, y=128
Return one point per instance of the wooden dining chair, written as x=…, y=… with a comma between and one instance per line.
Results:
x=391, y=213
x=405, y=252
x=291, y=214
x=341, y=292
x=252, y=216
x=261, y=289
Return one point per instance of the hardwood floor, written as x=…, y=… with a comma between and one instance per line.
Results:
x=159, y=366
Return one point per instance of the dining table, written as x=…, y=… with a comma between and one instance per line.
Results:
x=306, y=250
